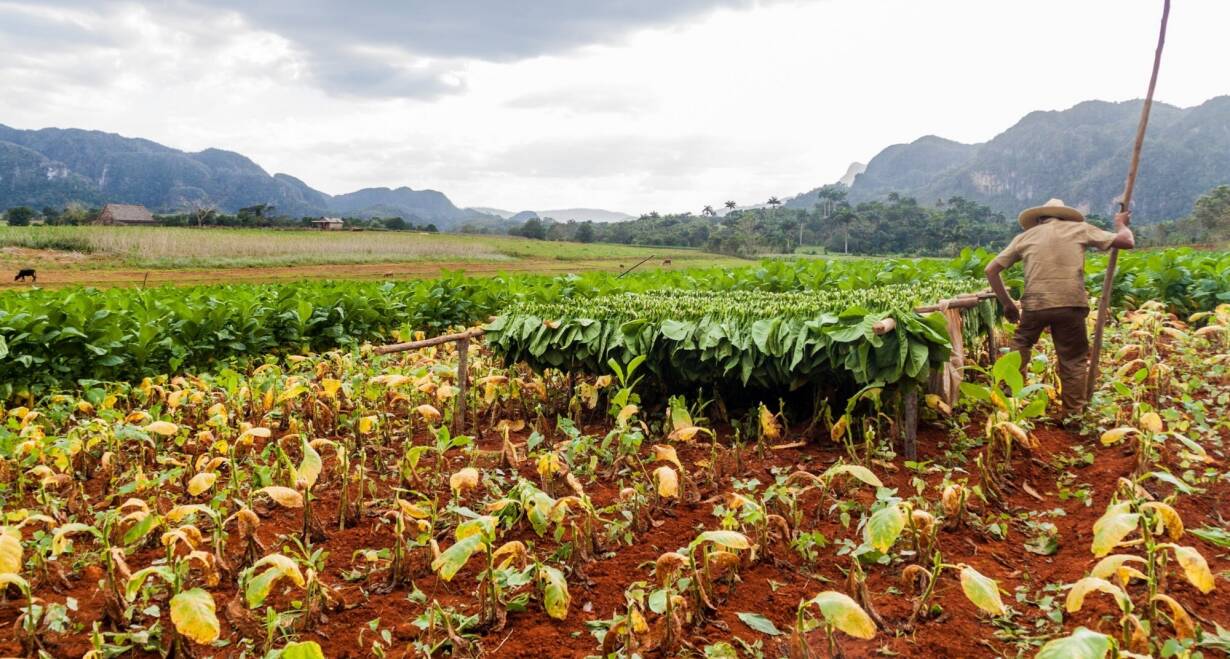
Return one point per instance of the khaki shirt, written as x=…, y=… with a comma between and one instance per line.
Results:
x=1054, y=256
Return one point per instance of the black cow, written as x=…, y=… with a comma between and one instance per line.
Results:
x=26, y=272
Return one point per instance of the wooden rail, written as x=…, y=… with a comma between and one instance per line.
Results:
x=463, y=367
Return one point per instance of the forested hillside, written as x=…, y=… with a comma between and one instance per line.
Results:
x=1079, y=154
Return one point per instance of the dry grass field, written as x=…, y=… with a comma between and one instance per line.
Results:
x=118, y=256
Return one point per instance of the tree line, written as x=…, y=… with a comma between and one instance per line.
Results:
x=259, y=216
x=896, y=225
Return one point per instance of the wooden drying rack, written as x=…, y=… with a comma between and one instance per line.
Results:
x=945, y=382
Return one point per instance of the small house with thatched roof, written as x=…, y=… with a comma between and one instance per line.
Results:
x=125, y=214
x=329, y=224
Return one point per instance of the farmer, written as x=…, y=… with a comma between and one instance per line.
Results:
x=1052, y=245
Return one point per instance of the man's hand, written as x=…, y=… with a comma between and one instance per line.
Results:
x=1012, y=311
x=1123, y=219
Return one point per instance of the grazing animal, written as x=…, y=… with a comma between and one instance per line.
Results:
x=666, y=262
x=26, y=272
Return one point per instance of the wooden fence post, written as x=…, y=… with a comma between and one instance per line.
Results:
x=909, y=421
x=463, y=385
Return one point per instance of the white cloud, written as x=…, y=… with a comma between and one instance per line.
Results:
x=651, y=108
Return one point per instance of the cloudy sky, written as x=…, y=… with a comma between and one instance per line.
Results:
x=632, y=105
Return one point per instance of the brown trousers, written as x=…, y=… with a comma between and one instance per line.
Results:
x=1068, y=331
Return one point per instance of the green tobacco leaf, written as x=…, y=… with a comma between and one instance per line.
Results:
x=759, y=623
x=885, y=527
x=721, y=650
x=1043, y=545
x=1007, y=369
x=1212, y=535
x=1080, y=644
x=451, y=559
x=138, y=578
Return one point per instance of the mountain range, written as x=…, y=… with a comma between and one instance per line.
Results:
x=1079, y=155
x=53, y=166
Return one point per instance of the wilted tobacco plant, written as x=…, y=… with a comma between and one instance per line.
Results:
x=1149, y=432
x=853, y=428
x=303, y=478
x=32, y=618
x=980, y=590
x=627, y=634
x=837, y=613
x=1156, y=521
x=751, y=516
x=708, y=560
x=413, y=455
x=472, y=536
x=457, y=636
x=413, y=526
x=193, y=612
x=1010, y=405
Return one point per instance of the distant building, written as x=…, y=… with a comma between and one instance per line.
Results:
x=127, y=214
x=328, y=223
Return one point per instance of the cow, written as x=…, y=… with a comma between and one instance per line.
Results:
x=26, y=272
x=666, y=262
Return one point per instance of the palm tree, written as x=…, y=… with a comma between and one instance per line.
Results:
x=730, y=205
x=708, y=211
x=773, y=203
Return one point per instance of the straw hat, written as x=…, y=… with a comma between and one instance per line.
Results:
x=1053, y=208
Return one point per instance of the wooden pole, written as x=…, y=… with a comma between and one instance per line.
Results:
x=1091, y=378
x=463, y=385
x=427, y=343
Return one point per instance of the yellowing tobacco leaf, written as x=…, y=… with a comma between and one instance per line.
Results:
x=1117, y=565
x=769, y=427
x=664, y=453
x=283, y=496
x=330, y=387
x=1116, y=435
x=464, y=480
x=202, y=482
x=1152, y=422
x=1169, y=518
x=839, y=428
x=1195, y=568
x=842, y=612
x=626, y=413
x=193, y=613
x=367, y=424
x=982, y=591
x=310, y=468
x=1083, y=643
x=884, y=527
x=164, y=428
x=10, y=550
x=1080, y=589
x=667, y=482
x=292, y=393
x=1112, y=527
x=429, y=413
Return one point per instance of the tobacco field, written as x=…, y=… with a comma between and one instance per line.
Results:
x=699, y=463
